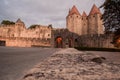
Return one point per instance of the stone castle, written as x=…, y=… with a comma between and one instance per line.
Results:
x=82, y=30
x=83, y=24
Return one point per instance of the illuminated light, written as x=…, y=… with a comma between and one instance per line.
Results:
x=59, y=40
x=118, y=41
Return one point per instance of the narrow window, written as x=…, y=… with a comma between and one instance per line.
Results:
x=48, y=34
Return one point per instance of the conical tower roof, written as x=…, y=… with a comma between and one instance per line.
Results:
x=74, y=10
x=84, y=14
x=19, y=21
x=94, y=10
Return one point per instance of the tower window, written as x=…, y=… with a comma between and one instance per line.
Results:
x=48, y=34
x=76, y=40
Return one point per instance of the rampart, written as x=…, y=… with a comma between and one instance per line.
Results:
x=101, y=41
x=26, y=42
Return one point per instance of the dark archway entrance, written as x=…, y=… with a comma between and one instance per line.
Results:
x=2, y=43
x=59, y=42
x=69, y=42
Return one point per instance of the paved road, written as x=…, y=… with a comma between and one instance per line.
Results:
x=14, y=62
x=111, y=56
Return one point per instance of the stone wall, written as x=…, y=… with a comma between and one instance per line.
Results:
x=7, y=30
x=69, y=38
x=43, y=32
x=20, y=36
x=15, y=31
x=95, y=24
x=74, y=23
x=26, y=42
x=84, y=25
x=19, y=30
x=101, y=41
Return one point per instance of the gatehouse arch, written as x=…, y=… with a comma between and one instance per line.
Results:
x=59, y=42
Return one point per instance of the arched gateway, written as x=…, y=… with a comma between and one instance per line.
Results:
x=62, y=43
x=63, y=38
x=59, y=42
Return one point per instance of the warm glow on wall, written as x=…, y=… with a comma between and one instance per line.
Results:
x=59, y=40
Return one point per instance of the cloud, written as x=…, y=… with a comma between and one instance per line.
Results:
x=43, y=12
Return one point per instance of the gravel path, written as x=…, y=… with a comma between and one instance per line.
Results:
x=111, y=56
x=70, y=64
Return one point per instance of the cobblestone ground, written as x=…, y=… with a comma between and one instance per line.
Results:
x=70, y=64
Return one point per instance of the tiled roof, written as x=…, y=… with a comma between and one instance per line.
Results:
x=94, y=10
x=84, y=14
x=19, y=21
x=74, y=10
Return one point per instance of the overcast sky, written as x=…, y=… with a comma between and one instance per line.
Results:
x=43, y=12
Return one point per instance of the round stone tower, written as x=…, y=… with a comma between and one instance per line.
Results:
x=84, y=24
x=74, y=21
x=94, y=21
x=19, y=26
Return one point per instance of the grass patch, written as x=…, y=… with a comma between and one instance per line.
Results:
x=97, y=49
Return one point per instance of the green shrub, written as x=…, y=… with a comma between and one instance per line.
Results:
x=7, y=22
x=33, y=26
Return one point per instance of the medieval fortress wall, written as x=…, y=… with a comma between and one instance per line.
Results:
x=82, y=30
x=89, y=28
x=89, y=40
x=96, y=40
x=20, y=36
